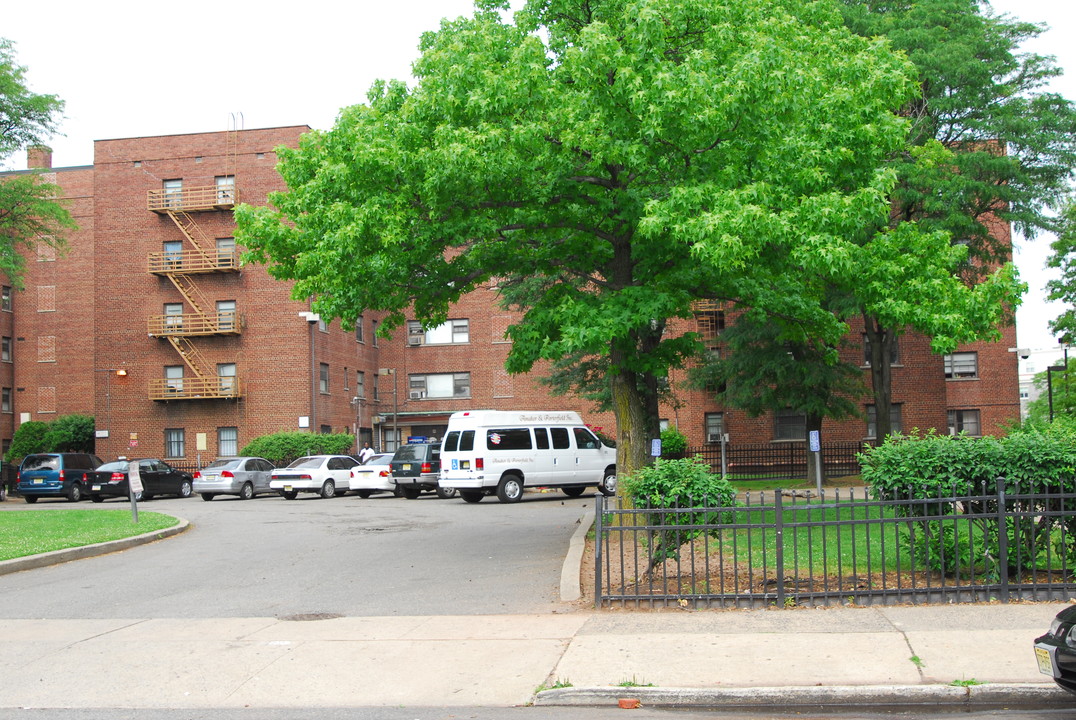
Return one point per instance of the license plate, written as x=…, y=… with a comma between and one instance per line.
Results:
x=1046, y=664
x=95, y=487
x=405, y=466
x=39, y=481
x=287, y=488
x=210, y=478
x=465, y=464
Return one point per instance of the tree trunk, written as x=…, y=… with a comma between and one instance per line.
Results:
x=633, y=435
x=881, y=350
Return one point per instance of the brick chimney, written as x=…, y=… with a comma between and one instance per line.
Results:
x=39, y=157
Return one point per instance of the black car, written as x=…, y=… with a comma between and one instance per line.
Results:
x=415, y=467
x=1056, y=650
x=158, y=478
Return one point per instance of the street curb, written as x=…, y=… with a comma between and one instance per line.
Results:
x=975, y=696
x=55, y=557
x=570, y=588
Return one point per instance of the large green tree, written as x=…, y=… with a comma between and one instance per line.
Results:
x=1063, y=288
x=29, y=210
x=628, y=157
x=1012, y=148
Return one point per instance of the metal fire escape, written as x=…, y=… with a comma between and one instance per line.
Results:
x=200, y=317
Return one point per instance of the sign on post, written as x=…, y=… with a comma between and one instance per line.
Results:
x=134, y=486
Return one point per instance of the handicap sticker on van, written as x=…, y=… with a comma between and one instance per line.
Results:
x=455, y=464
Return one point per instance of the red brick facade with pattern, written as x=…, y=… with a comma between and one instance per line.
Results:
x=84, y=314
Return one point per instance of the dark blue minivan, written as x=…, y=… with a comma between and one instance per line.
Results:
x=55, y=475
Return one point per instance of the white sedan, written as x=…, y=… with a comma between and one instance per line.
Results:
x=326, y=475
x=373, y=476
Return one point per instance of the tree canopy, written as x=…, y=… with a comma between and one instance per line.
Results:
x=29, y=211
x=608, y=163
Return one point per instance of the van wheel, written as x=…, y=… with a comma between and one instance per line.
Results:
x=471, y=496
x=75, y=493
x=446, y=493
x=573, y=491
x=31, y=499
x=510, y=489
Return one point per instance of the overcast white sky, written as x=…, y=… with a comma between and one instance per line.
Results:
x=132, y=68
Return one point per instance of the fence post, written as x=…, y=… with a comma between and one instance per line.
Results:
x=599, y=508
x=1003, y=539
x=779, y=541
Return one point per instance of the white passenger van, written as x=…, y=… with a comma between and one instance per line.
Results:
x=496, y=451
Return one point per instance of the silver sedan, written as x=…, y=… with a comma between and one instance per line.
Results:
x=242, y=476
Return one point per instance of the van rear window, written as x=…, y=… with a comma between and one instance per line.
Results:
x=452, y=441
x=509, y=439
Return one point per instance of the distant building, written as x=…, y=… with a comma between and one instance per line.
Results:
x=149, y=323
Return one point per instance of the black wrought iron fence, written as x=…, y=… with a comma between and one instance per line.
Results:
x=779, y=461
x=840, y=548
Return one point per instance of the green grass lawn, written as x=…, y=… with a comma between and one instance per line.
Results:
x=39, y=531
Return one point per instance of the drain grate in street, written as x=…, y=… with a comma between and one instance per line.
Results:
x=306, y=617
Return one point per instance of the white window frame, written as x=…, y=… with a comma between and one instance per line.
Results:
x=228, y=441
x=436, y=386
x=453, y=332
x=175, y=442
x=969, y=421
x=785, y=422
x=896, y=417
x=961, y=365
x=714, y=427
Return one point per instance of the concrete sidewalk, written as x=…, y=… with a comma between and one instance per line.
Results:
x=892, y=655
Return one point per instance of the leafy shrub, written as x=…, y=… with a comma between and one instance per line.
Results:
x=673, y=442
x=28, y=439
x=281, y=448
x=682, y=492
x=70, y=433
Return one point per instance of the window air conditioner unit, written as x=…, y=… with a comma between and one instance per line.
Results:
x=415, y=339
x=417, y=395
x=713, y=437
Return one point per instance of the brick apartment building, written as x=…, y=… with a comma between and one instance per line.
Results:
x=149, y=323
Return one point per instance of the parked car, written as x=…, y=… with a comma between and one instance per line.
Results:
x=242, y=476
x=374, y=475
x=327, y=475
x=416, y=467
x=1056, y=650
x=158, y=478
x=55, y=475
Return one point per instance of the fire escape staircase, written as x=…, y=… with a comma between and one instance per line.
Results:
x=202, y=319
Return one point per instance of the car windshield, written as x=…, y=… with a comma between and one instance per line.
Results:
x=41, y=462
x=308, y=462
x=410, y=452
x=114, y=466
x=218, y=464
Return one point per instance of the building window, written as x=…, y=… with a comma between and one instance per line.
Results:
x=5, y=400
x=894, y=419
x=358, y=330
x=226, y=315
x=360, y=384
x=173, y=254
x=964, y=421
x=226, y=378
x=377, y=390
x=322, y=325
x=347, y=379
x=225, y=189
x=173, y=378
x=789, y=425
x=5, y=298
x=226, y=252
x=453, y=332
x=441, y=385
x=894, y=353
x=962, y=365
x=388, y=438
x=323, y=375
x=715, y=427
x=173, y=317
x=174, y=442
x=173, y=193
x=373, y=333
x=5, y=349
x=709, y=324
x=228, y=441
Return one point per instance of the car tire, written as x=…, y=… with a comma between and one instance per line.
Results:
x=328, y=489
x=608, y=483
x=411, y=493
x=31, y=499
x=143, y=497
x=446, y=493
x=365, y=493
x=246, y=492
x=397, y=492
x=573, y=491
x=510, y=488
x=75, y=493
x=186, y=489
x=289, y=494
x=96, y=499
x=471, y=496
x=207, y=496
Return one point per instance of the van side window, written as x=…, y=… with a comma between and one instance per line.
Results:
x=509, y=439
x=467, y=441
x=585, y=440
x=452, y=441
x=541, y=438
x=560, y=438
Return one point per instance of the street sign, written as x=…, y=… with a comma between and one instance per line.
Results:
x=813, y=438
x=655, y=447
